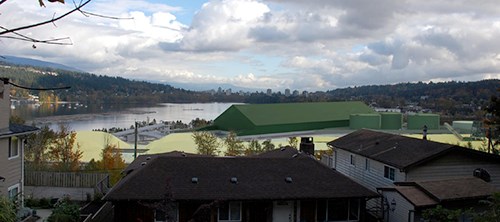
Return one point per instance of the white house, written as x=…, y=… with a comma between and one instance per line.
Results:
x=378, y=160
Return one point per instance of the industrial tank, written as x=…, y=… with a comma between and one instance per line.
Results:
x=418, y=121
x=391, y=121
x=368, y=121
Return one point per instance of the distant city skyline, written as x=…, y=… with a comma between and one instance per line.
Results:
x=315, y=45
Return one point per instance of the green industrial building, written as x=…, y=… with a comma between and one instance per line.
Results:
x=365, y=121
x=254, y=119
x=418, y=121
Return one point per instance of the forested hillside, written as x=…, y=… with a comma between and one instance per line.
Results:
x=91, y=88
x=460, y=99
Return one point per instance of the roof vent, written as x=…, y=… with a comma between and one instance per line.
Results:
x=234, y=180
x=282, y=149
x=148, y=158
x=194, y=180
x=295, y=155
x=482, y=174
x=143, y=163
x=184, y=155
x=288, y=179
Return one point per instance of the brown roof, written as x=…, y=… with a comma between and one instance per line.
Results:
x=257, y=178
x=416, y=196
x=429, y=193
x=283, y=152
x=396, y=150
x=455, y=189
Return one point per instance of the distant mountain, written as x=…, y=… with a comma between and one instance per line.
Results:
x=36, y=63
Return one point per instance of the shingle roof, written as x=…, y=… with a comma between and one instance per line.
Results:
x=429, y=193
x=283, y=152
x=416, y=196
x=456, y=189
x=257, y=178
x=395, y=150
x=18, y=129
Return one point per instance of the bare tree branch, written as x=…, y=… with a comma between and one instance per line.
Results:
x=48, y=41
x=86, y=13
x=78, y=8
x=53, y=41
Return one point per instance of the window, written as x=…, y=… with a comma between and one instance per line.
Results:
x=367, y=164
x=230, y=211
x=353, y=160
x=161, y=216
x=14, y=144
x=338, y=210
x=13, y=192
x=389, y=172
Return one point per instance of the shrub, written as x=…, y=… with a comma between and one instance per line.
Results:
x=7, y=210
x=65, y=211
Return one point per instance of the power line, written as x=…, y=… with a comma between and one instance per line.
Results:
x=6, y=81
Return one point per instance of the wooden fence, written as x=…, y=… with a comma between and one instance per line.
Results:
x=63, y=179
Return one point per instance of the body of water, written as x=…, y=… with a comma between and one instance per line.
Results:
x=81, y=117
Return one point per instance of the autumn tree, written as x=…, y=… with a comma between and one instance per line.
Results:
x=64, y=152
x=253, y=148
x=36, y=148
x=206, y=142
x=234, y=146
x=111, y=160
x=267, y=145
x=293, y=142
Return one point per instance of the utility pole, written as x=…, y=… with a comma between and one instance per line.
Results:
x=135, y=140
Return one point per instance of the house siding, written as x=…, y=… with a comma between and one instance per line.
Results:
x=372, y=178
x=10, y=169
x=452, y=165
x=402, y=208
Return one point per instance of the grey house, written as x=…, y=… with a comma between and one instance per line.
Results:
x=12, y=138
x=379, y=160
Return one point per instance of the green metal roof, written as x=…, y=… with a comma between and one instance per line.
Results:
x=287, y=117
x=289, y=113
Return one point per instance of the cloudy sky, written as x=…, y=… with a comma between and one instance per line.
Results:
x=306, y=45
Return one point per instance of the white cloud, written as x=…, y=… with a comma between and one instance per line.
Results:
x=314, y=45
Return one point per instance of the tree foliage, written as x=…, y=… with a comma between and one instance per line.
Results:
x=234, y=146
x=7, y=210
x=492, y=119
x=267, y=145
x=206, y=142
x=441, y=214
x=64, y=152
x=293, y=142
x=253, y=148
x=65, y=211
x=36, y=148
x=492, y=213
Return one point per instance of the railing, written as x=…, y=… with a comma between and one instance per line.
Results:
x=63, y=179
x=102, y=186
x=450, y=128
